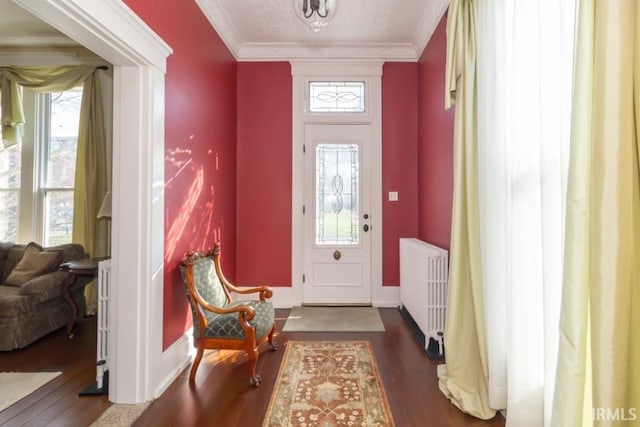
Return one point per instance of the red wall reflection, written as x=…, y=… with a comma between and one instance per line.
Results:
x=200, y=147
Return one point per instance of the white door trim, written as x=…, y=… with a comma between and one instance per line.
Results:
x=138, y=367
x=371, y=73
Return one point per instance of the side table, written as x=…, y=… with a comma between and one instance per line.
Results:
x=87, y=267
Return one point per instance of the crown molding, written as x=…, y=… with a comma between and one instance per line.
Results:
x=400, y=52
x=39, y=41
x=433, y=12
x=331, y=68
x=221, y=24
x=26, y=56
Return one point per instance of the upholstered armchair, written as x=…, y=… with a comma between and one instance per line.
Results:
x=218, y=321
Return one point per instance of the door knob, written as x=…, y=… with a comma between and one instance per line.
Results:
x=365, y=227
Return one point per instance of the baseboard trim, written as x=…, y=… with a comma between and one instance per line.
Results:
x=174, y=360
x=287, y=297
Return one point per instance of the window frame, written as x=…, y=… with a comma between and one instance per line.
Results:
x=328, y=83
x=32, y=217
x=44, y=143
x=338, y=117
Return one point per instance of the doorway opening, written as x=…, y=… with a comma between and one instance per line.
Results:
x=336, y=194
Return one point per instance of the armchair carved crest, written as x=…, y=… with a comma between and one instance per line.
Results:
x=218, y=321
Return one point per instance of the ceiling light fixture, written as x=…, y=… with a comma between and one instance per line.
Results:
x=315, y=13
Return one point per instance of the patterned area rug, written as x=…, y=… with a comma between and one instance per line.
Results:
x=328, y=383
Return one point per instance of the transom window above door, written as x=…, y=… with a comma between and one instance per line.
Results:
x=336, y=97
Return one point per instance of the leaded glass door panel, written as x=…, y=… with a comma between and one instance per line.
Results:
x=337, y=175
x=337, y=218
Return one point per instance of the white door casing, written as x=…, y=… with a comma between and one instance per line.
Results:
x=139, y=369
x=337, y=244
x=370, y=72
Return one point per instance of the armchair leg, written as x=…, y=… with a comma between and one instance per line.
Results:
x=254, y=379
x=272, y=344
x=194, y=366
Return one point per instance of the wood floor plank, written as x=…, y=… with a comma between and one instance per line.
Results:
x=75, y=358
x=57, y=404
x=222, y=396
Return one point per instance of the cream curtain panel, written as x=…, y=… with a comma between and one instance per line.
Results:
x=524, y=53
x=598, y=379
x=38, y=79
x=559, y=212
x=91, y=180
x=524, y=91
x=91, y=159
x=464, y=377
x=12, y=118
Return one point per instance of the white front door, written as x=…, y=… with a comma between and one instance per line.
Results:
x=337, y=214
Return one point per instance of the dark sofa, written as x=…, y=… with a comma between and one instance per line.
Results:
x=31, y=302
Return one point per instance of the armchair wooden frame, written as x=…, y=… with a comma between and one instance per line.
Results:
x=250, y=342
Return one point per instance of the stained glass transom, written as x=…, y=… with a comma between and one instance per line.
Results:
x=336, y=97
x=337, y=194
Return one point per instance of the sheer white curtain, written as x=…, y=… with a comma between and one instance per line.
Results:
x=525, y=52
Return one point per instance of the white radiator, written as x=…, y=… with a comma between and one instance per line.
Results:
x=423, y=286
x=104, y=291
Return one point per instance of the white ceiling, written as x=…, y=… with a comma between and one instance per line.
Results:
x=263, y=30
x=20, y=28
x=376, y=29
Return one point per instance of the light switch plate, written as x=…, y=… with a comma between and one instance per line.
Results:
x=393, y=196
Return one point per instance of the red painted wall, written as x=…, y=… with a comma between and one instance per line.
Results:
x=200, y=141
x=264, y=169
x=435, y=144
x=399, y=163
x=228, y=156
x=264, y=174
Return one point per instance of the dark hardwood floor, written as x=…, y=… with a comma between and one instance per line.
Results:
x=58, y=402
x=222, y=396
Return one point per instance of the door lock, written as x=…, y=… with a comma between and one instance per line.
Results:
x=365, y=227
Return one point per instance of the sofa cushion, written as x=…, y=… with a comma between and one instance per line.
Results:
x=13, y=258
x=10, y=301
x=12, y=304
x=70, y=251
x=46, y=282
x=35, y=261
x=4, y=254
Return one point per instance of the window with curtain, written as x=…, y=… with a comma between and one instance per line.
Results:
x=37, y=176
